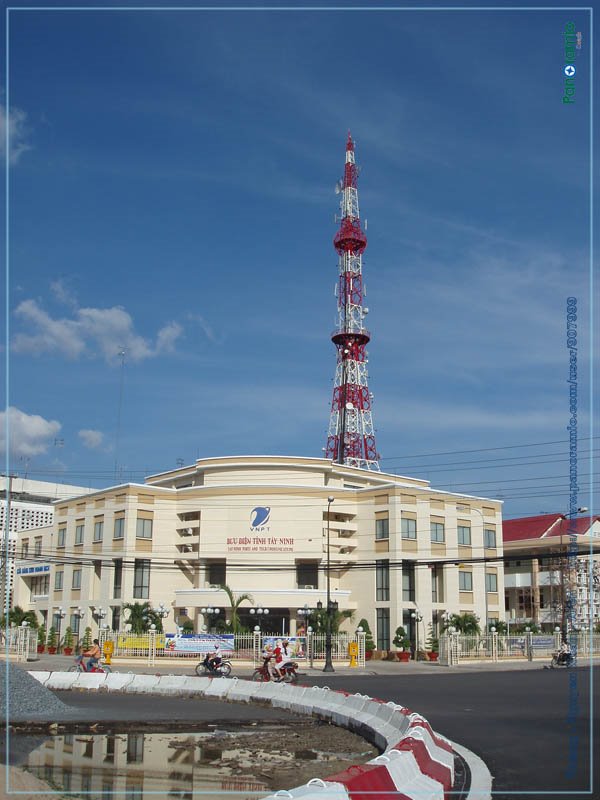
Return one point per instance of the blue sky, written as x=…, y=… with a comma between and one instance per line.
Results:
x=171, y=193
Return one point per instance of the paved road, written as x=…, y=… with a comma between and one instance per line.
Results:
x=515, y=719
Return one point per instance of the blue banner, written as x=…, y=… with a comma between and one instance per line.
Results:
x=200, y=643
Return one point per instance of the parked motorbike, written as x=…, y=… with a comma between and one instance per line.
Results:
x=289, y=672
x=561, y=659
x=81, y=666
x=222, y=670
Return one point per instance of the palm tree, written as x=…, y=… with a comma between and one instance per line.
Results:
x=141, y=616
x=318, y=619
x=16, y=616
x=234, y=603
x=464, y=623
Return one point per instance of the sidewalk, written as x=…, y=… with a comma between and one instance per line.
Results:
x=244, y=669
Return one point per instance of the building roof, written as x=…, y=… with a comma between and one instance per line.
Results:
x=545, y=525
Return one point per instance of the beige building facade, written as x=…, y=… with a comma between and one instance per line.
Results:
x=261, y=525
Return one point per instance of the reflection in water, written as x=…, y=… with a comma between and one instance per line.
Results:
x=174, y=765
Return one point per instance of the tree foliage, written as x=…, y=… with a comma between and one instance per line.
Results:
x=369, y=643
x=463, y=623
x=141, y=617
x=234, y=604
x=16, y=616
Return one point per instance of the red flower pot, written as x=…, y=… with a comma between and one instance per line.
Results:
x=404, y=656
x=68, y=651
x=52, y=650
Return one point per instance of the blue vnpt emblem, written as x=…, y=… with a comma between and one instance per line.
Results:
x=259, y=517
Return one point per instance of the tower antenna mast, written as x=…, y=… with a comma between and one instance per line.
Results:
x=351, y=437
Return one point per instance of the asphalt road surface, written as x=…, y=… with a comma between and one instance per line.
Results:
x=532, y=728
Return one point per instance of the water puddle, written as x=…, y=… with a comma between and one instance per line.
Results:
x=243, y=760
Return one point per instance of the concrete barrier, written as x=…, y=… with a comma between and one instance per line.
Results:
x=41, y=677
x=143, y=684
x=90, y=680
x=61, y=680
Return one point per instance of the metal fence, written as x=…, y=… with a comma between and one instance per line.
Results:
x=20, y=642
x=247, y=646
x=456, y=647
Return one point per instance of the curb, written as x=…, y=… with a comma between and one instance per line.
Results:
x=416, y=763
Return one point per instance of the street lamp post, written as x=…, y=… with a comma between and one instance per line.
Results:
x=162, y=612
x=328, y=662
x=418, y=617
x=259, y=613
x=210, y=613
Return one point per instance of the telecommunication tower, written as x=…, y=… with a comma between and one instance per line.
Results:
x=350, y=438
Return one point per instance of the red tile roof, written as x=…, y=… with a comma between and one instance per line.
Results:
x=544, y=525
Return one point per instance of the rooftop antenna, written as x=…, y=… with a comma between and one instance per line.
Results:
x=121, y=355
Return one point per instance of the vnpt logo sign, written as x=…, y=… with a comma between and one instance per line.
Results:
x=259, y=518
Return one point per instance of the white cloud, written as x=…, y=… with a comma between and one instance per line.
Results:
x=206, y=327
x=28, y=434
x=91, y=438
x=63, y=294
x=17, y=131
x=104, y=330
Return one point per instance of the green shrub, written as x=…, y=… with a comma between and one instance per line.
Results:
x=369, y=643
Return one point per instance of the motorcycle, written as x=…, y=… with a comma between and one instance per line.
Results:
x=222, y=670
x=288, y=669
x=561, y=659
x=81, y=666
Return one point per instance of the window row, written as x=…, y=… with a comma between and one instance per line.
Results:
x=408, y=530
x=141, y=578
x=143, y=530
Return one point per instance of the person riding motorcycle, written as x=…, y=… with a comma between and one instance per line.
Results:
x=283, y=654
x=214, y=659
x=564, y=654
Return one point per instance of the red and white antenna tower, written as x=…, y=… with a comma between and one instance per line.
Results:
x=350, y=438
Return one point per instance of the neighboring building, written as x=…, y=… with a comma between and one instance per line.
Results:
x=30, y=507
x=536, y=569
x=260, y=525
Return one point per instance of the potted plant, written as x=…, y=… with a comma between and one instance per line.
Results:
x=68, y=642
x=86, y=642
x=52, y=640
x=41, y=642
x=432, y=645
x=369, y=643
x=402, y=642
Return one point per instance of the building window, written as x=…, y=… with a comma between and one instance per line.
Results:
x=119, y=531
x=40, y=586
x=216, y=573
x=37, y=546
x=383, y=629
x=408, y=528
x=465, y=581
x=98, y=530
x=307, y=574
x=135, y=748
x=118, y=579
x=382, y=528
x=437, y=532
x=382, y=579
x=75, y=622
x=143, y=528
x=116, y=618
x=76, y=579
x=62, y=534
x=464, y=534
x=58, y=580
x=489, y=538
x=25, y=549
x=408, y=581
x=141, y=578
x=79, y=533
x=491, y=582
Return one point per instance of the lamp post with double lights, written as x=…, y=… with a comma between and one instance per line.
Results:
x=328, y=662
x=259, y=613
x=418, y=617
x=99, y=613
x=210, y=614
x=162, y=612
x=565, y=597
x=59, y=615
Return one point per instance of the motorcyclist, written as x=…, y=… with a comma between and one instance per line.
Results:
x=283, y=654
x=214, y=659
x=564, y=654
